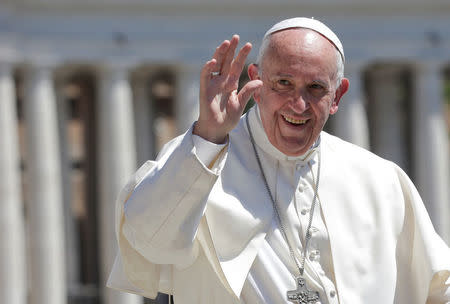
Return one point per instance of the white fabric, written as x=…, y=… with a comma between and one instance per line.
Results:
x=292, y=183
x=209, y=236
x=309, y=23
x=272, y=255
x=206, y=150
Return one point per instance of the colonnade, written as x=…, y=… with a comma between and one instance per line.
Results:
x=351, y=121
x=12, y=224
x=123, y=143
x=431, y=145
x=117, y=161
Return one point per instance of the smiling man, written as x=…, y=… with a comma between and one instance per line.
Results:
x=299, y=69
x=268, y=208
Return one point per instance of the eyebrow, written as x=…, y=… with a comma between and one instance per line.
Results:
x=321, y=82
x=284, y=75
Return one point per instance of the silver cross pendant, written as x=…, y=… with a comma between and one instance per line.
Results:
x=302, y=295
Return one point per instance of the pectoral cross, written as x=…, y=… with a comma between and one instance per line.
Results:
x=302, y=295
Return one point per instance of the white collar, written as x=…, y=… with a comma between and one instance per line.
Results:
x=262, y=141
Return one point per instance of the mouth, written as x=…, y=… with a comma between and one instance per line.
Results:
x=293, y=121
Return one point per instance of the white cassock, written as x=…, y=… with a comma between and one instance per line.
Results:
x=209, y=235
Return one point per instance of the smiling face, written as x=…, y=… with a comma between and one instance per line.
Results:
x=299, y=89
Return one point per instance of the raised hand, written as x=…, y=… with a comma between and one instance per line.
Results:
x=221, y=105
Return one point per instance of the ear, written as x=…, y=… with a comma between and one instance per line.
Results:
x=253, y=74
x=253, y=71
x=343, y=88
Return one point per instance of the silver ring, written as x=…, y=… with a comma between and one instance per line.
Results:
x=215, y=73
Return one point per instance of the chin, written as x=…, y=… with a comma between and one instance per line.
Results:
x=290, y=144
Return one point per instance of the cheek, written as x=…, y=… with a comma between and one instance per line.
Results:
x=268, y=114
x=274, y=101
x=270, y=103
x=271, y=112
x=321, y=113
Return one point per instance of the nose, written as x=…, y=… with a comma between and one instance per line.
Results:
x=299, y=101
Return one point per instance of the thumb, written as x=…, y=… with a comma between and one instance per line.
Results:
x=247, y=91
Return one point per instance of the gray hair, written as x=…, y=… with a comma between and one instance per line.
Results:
x=339, y=61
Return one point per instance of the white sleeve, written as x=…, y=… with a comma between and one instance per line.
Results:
x=162, y=214
x=206, y=150
x=158, y=214
x=427, y=254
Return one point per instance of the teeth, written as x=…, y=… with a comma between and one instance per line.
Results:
x=294, y=121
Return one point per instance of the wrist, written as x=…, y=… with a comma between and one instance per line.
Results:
x=209, y=134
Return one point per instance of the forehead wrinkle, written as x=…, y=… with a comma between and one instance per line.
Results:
x=299, y=68
x=300, y=46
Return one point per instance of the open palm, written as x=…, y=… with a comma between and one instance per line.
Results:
x=221, y=105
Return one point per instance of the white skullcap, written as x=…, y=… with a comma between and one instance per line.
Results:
x=309, y=23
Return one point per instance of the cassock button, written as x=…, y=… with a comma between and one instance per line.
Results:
x=314, y=255
x=332, y=293
x=301, y=186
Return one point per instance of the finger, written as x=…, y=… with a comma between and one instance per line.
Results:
x=247, y=91
x=237, y=66
x=205, y=75
x=208, y=68
x=228, y=59
x=239, y=61
x=220, y=53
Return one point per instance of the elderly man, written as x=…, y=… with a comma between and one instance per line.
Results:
x=268, y=208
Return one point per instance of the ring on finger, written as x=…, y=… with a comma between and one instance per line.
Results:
x=215, y=73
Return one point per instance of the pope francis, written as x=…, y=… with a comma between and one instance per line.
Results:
x=267, y=207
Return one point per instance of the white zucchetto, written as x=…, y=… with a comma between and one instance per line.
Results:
x=309, y=23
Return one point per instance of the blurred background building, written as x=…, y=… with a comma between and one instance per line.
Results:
x=90, y=89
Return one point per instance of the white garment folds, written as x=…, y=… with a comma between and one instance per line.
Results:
x=196, y=232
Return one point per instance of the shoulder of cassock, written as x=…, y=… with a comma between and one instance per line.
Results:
x=340, y=161
x=366, y=197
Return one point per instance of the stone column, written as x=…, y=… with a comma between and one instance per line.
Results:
x=12, y=239
x=143, y=117
x=186, y=105
x=44, y=206
x=72, y=246
x=351, y=122
x=431, y=145
x=389, y=118
x=117, y=161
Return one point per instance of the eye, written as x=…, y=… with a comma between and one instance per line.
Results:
x=282, y=85
x=316, y=86
x=317, y=89
x=283, y=82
